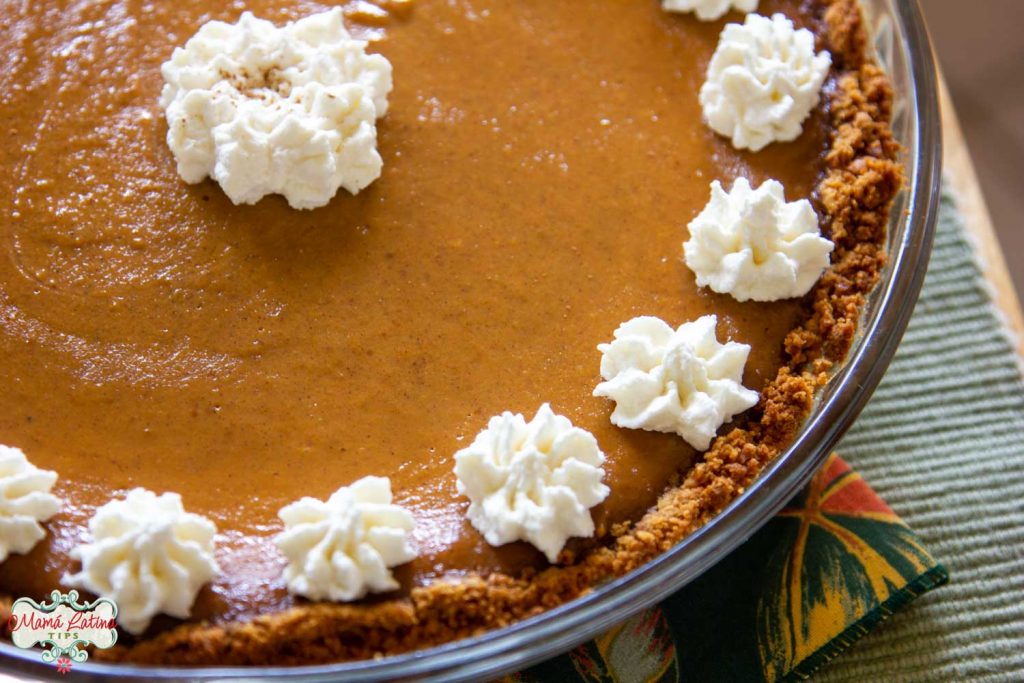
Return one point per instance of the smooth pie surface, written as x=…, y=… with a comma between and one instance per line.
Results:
x=541, y=162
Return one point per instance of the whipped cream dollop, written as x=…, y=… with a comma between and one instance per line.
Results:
x=148, y=555
x=25, y=501
x=682, y=381
x=265, y=110
x=533, y=481
x=763, y=81
x=344, y=548
x=708, y=10
x=755, y=245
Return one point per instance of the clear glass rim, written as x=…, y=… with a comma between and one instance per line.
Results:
x=559, y=629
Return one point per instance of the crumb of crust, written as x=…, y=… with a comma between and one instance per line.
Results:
x=6, y=602
x=860, y=181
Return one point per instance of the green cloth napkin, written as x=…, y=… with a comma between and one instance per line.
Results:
x=942, y=441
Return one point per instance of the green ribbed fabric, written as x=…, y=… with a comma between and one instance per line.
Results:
x=942, y=442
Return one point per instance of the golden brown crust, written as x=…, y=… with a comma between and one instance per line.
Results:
x=861, y=178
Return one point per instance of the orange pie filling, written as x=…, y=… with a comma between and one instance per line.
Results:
x=541, y=163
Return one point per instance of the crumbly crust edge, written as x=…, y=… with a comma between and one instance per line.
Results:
x=861, y=179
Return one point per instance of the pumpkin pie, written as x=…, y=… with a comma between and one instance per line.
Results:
x=541, y=163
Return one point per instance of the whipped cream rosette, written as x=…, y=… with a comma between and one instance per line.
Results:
x=148, y=555
x=25, y=501
x=532, y=481
x=682, y=381
x=709, y=10
x=343, y=548
x=265, y=110
x=754, y=245
x=763, y=81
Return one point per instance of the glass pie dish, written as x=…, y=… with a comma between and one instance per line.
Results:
x=901, y=46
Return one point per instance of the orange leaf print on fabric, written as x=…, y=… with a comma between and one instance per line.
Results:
x=847, y=553
x=640, y=649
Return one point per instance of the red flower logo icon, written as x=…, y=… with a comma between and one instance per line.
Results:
x=63, y=665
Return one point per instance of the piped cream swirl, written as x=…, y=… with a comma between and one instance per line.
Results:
x=343, y=548
x=25, y=501
x=533, y=481
x=755, y=245
x=708, y=10
x=682, y=381
x=148, y=555
x=763, y=80
x=266, y=110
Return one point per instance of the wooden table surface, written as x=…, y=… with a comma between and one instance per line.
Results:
x=959, y=169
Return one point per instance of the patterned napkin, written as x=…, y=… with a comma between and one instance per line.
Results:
x=826, y=570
